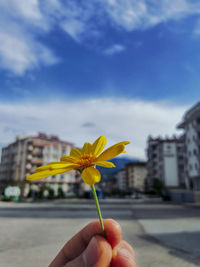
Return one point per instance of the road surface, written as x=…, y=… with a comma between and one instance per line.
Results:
x=161, y=234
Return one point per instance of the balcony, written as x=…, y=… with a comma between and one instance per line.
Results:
x=28, y=166
x=38, y=144
x=37, y=161
x=30, y=148
x=29, y=157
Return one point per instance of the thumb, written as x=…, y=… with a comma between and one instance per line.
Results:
x=97, y=254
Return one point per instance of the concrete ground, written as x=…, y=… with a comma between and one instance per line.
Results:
x=162, y=235
x=172, y=225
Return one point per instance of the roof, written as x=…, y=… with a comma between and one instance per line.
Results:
x=193, y=111
x=43, y=137
x=137, y=163
x=159, y=139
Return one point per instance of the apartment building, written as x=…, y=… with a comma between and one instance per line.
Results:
x=166, y=161
x=136, y=175
x=121, y=180
x=191, y=127
x=20, y=158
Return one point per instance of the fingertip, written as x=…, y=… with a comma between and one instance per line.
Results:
x=98, y=253
x=104, y=251
x=123, y=255
x=113, y=232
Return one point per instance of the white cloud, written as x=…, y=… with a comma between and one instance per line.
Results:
x=134, y=14
x=28, y=11
x=19, y=53
x=22, y=24
x=74, y=28
x=114, y=49
x=117, y=119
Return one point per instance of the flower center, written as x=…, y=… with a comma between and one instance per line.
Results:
x=86, y=160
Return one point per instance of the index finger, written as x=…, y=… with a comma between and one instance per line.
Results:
x=77, y=244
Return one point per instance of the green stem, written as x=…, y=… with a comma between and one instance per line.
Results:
x=98, y=209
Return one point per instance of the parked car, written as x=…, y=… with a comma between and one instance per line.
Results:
x=135, y=196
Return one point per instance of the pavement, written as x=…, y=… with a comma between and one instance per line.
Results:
x=175, y=226
x=33, y=233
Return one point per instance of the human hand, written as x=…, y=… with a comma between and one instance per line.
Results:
x=89, y=248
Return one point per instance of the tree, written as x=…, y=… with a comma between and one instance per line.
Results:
x=158, y=186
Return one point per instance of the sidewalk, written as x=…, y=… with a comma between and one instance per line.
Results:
x=174, y=226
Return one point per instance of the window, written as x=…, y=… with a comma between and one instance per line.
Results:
x=62, y=176
x=55, y=150
x=54, y=176
x=198, y=120
x=179, y=149
x=195, y=152
x=153, y=147
x=181, y=167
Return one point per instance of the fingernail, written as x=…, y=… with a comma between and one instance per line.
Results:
x=91, y=254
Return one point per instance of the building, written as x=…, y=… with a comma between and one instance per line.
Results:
x=166, y=162
x=191, y=127
x=23, y=156
x=135, y=175
x=121, y=180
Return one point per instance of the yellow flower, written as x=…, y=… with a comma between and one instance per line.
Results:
x=83, y=160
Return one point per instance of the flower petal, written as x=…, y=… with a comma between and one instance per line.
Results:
x=110, y=153
x=67, y=159
x=57, y=165
x=75, y=152
x=91, y=175
x=99, y=145
x=86, y=148
x=44, y=167
x=105, y=164
x=46, y=173
x=123, y=143
x=61, y=165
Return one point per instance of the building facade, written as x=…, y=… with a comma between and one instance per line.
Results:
x=166, y=161
x=191, y=127
x=121, y=180
x=136, y=175
x=23, y=156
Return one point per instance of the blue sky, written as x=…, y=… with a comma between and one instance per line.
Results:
x=97, y=66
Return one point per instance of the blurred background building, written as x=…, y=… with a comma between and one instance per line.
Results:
x=20, y=158
x=173, y=165
x=136, y=175
x=121, y=180
x=132, y=177
x=191, y=127
x=166, y=162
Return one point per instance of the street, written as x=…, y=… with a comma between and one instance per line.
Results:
x=161, y=234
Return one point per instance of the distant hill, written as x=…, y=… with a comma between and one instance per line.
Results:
x=108, y=173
